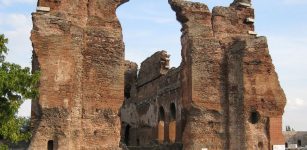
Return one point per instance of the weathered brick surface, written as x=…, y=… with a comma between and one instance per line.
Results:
x=80, y=53
x=224, y=95
x=275, y=129
x=141, y=113
x=225, y=74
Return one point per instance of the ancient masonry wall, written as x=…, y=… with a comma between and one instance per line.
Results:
x=80, y=52
x=156, y=91
x=224, y=95
x=225, y=73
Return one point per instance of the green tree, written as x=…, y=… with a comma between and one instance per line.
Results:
x=16, y=85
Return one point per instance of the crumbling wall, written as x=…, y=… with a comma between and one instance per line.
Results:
x=80, y=53
x=224, y=69
x=225, y=94
x=200, y=77
x=158, y=87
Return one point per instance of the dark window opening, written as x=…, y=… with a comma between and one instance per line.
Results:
x=127, y=132
x=173, y=111
x=161, y=114
x=254, y=117
x=161, y=120
x=50, y=145
x=138, y=142
x=286, y=144
x=127, y=91
x=299, y=143
x=172, y=124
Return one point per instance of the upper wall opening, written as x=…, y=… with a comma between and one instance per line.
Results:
x=150, y=26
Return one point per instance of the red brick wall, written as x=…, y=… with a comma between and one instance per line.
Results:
x=275, y=131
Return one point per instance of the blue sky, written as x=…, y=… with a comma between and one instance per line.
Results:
x=151, y=25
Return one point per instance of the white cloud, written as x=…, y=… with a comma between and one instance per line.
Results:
x=297, y=103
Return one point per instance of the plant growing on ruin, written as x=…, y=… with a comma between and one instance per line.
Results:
x=16, y=85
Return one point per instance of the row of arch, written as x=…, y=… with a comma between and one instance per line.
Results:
x=165, y=131
x=169, y=127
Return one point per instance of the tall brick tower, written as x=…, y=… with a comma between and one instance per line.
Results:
x=231, y=94
x=79, y=50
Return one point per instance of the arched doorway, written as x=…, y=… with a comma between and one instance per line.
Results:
x=50, y=145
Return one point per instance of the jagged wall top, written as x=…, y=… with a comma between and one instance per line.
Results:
x=81, y=11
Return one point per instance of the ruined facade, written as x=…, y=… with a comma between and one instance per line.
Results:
x=295, y=140
x=224, y=95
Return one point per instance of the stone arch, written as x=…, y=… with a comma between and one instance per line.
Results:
x=161, y=122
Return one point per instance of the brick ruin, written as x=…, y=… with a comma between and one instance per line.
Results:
x=224, y=95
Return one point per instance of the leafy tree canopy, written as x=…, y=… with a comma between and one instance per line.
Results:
x=16, y=85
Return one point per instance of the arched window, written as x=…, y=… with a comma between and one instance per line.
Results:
x=173, y=111
x=161, y=125
x=172, y=125
x=161, y=114
x=50, y=145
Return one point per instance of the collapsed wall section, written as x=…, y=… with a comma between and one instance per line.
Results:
x=80, y=53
